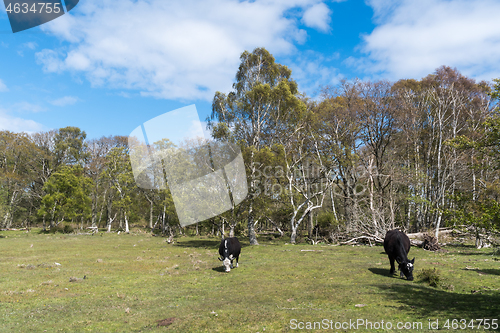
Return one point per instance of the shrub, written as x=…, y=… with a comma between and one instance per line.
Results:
x=55, y=229
x=68, y=229
x=430, y=276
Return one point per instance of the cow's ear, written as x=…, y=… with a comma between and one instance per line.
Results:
x=413, y=260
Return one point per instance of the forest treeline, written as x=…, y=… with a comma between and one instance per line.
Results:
x=363, y=158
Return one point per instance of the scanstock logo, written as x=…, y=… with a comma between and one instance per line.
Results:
x=25, y=14
x=205, y=178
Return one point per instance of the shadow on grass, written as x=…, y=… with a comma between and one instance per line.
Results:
x=219, y=269
x=199, y=243
x=382, y=272
x=490, y=271
x=204, y=243
x=461, y=246
x=429, y=302
x=468, y=250
x=474, y=253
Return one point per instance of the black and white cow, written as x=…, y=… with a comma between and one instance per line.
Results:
x=229, y=249
x=397, y=246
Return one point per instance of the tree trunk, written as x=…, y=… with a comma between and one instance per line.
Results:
x=372, y=206
x=150, y=212
x=52, y=219
x=310, y=224
x=9, y=215
x=102, y=207
x=479, y=241
x=110, y=220
x=126, y=222
x=7, y=220
x=293, y=236
x=252, y=237
x=333, y=204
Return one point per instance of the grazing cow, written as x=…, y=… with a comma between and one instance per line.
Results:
x=397, y=246
x=229, y=250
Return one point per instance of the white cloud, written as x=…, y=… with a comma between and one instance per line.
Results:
x=413, y=38
x=27, y=45
x=50, y=60
x=64, y=101
x=3, y=87
x=28, y=107
x=13, y=124
x=30, y=45
x=318, y=17
x=173, y=49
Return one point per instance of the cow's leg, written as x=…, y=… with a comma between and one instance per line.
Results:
x=237, y=258
x=231, y=264
x=393, y=269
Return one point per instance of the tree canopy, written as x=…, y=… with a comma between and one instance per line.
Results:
x=363, y=157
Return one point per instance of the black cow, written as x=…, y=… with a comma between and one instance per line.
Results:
x=397, y=246
x=229, y=249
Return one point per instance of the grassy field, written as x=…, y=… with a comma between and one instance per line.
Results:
x=139, y=283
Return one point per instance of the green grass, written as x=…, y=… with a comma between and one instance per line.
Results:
x=133, y=281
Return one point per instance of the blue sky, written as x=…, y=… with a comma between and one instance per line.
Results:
x=109, y=66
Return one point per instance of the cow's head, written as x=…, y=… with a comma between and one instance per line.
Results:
x=406, y=268
x=226, y=262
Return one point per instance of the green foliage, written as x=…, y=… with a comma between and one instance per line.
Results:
x=3, y=200
x=496, y=89
x=67, y=195
x=16, y=176
x=119, y=173
x=69, y=145
x=481, y=212
x=431, y=276
x=55, y=229
x=264, y=103
x=239, y=229
x=67, y=229
x=326, y=220
x=264, y=93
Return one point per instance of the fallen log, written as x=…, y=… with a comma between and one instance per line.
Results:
x=416, y=243
x=422, y=234
x=370, y=239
